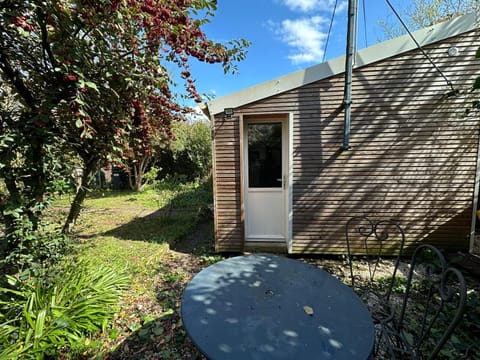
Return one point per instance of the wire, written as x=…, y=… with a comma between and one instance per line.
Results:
x=420, y=47
x=355, y=32
x=364, y=23
x=329, y=30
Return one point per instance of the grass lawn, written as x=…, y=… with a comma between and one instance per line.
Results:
x=161, y=239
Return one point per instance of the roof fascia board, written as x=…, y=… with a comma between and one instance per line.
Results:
x=378, y=52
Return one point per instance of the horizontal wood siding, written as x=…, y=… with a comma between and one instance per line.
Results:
x=413, y=151
x=227, y=202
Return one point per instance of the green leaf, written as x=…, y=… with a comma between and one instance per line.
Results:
x=40, y=323
x=78, y=123
x=13, y=212
x=143, y=333
x=113, y=335
x=79, y=101
x=133, y=326
x=91, y=85
x=158, y=330
x=28, y=317
x=5, y=141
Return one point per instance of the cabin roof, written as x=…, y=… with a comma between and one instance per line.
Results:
x=372, y=54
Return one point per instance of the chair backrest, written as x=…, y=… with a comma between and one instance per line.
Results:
x=433, y=304
x=371, y=241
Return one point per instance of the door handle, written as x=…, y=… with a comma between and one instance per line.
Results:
x=284, y=181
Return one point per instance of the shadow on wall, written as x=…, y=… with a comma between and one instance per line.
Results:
x=412, y=157
x=449, y=230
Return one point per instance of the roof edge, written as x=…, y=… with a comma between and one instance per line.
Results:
x=374, y=53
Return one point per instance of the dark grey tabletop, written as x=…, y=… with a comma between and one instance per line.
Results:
x=272, y=307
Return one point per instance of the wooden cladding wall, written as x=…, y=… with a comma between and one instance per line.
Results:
x=413, y=152
x=227, y=202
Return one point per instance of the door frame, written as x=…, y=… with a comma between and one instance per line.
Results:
x=287, y=140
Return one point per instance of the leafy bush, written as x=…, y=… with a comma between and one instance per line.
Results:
x=41, y=316
x=189, y=157
x=31, y=248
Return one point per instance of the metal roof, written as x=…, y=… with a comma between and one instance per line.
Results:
x=381, y=51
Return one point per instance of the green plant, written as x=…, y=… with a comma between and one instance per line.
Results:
x=189, y=156
x=151, y=176
x=115, y=229
x=210, y=259
x=465, y=339
x=463, y=342
x=40, y=317
x=399, y=285
x=71, y=91
x=30, y=248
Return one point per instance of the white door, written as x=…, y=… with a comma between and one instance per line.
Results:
x=266, y=164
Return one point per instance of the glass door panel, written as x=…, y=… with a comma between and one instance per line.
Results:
x=265, y=155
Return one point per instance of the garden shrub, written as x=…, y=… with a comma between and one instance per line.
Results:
x=189, y=157
x=41, y=317
x=30, y=248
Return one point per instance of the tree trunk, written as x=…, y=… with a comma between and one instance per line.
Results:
x=76, y=205
x=139, y=170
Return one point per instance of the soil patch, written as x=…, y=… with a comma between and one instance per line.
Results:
x=150, y=327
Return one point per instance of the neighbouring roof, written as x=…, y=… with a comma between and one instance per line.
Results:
x=384, y=50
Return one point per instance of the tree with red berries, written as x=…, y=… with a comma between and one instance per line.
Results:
x=93, y=77
x=145, y=141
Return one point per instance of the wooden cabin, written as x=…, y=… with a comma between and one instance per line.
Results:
x=284, y=182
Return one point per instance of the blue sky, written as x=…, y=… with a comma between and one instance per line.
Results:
x=286, y=35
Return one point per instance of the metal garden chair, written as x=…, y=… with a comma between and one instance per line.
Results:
x=371, y=276
x=425, y=316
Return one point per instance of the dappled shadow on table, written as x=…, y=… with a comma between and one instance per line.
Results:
x=162, y=336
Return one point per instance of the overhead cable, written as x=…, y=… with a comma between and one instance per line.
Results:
x=364, y=23
x=454, y=91
x=329, y=31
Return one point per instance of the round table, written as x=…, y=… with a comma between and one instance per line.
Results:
x=272, y=307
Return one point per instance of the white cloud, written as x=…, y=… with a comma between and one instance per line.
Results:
x=305, y=37
x=314, y=5
x=196, y=115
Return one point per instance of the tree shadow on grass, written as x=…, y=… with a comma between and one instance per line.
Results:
x=154, y=227
x=185, y=223
x=183, y=233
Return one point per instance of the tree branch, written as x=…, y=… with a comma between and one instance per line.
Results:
x=45, y=45
x=14, y=77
